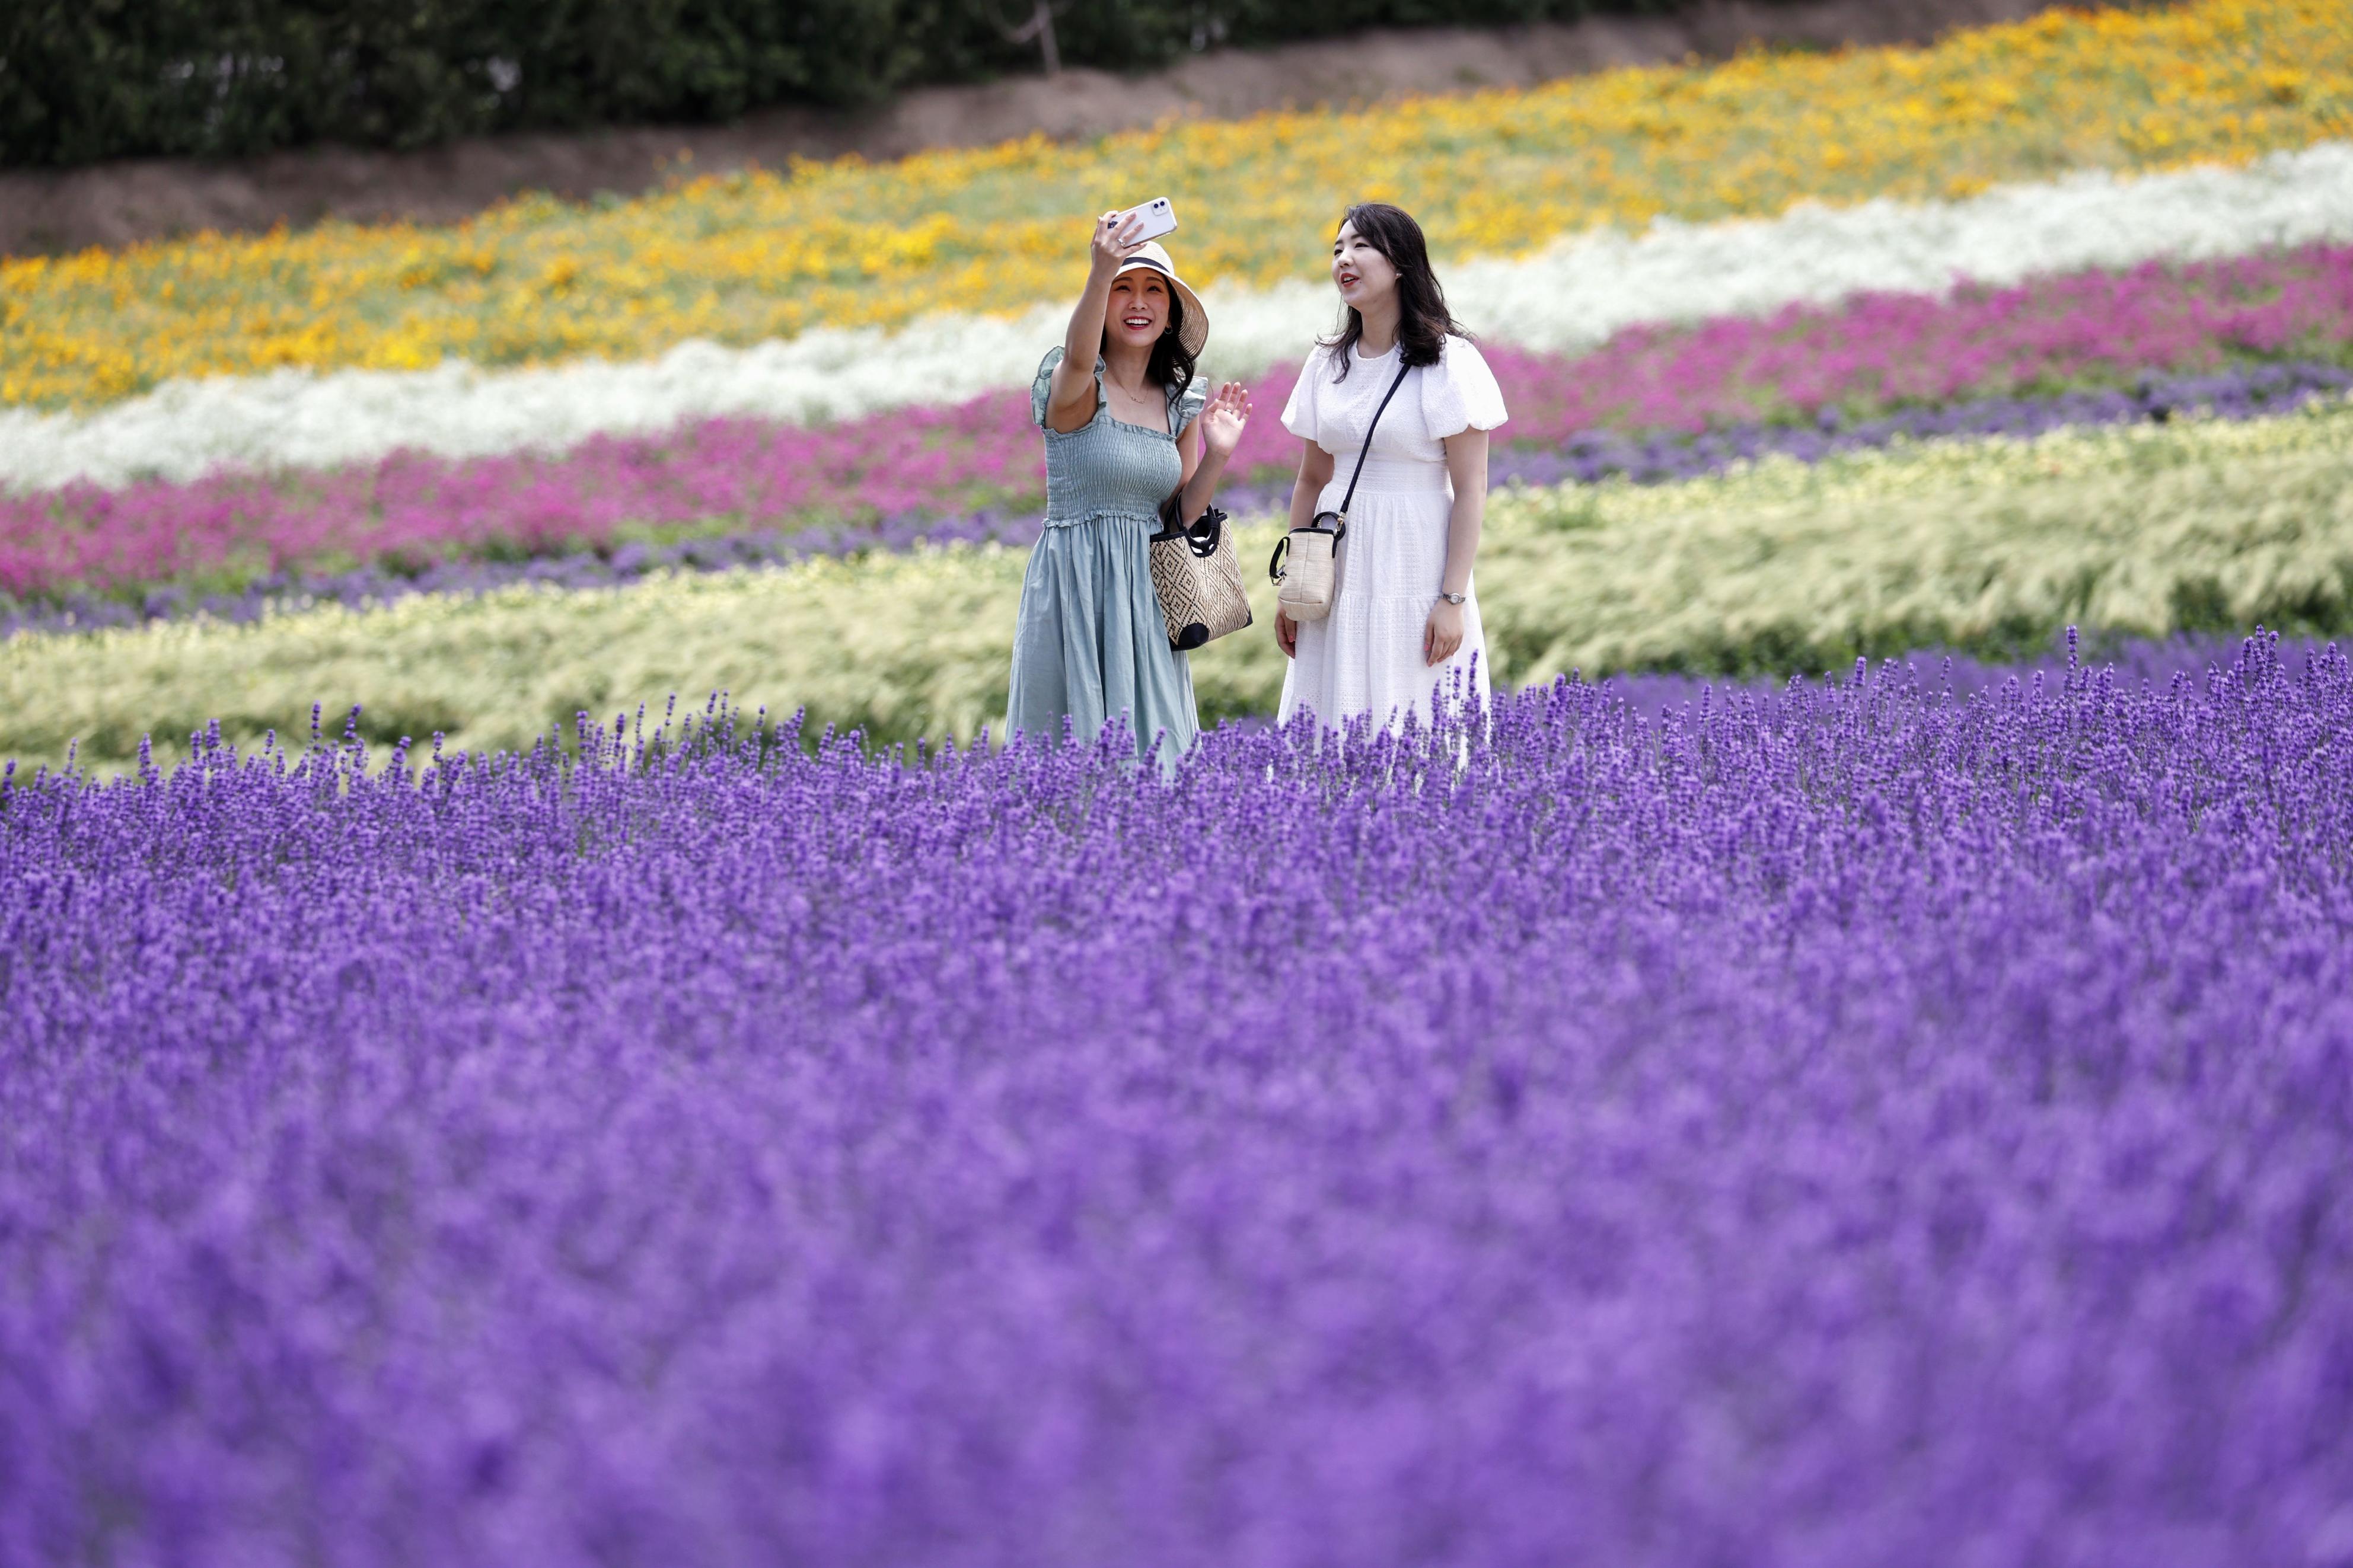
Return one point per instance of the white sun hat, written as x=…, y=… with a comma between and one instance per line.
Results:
x=1195, y=333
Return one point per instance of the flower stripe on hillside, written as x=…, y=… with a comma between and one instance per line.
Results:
x=1657, y=458
x=1883, y=350
x=1985, y=544
x=744, y=258
x=1589, y=414
x=1571, y=297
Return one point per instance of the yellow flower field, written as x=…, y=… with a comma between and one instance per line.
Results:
x=749, y=257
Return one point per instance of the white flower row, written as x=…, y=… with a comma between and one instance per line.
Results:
x=1570, y=297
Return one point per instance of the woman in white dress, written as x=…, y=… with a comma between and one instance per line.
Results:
x=1404, y=621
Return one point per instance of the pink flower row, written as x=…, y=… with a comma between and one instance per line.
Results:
x=1868, y=354
x=1877, y=351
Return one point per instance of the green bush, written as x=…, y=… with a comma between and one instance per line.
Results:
x=82, y=80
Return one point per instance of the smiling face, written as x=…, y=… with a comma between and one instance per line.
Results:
x=1138, y=313
x=1363, y=274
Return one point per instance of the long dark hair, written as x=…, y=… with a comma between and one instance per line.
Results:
x=1172, y=364
x=1423, y=322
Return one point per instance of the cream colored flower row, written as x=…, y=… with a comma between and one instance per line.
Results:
x=1782, y=567
x=1566, y=297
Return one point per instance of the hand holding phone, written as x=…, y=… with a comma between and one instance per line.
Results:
x=1158, y=218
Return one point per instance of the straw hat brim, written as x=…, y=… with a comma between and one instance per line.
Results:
x=1195, y=334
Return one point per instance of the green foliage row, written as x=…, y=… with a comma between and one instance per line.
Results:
x=1984, y=547
x=82, y=80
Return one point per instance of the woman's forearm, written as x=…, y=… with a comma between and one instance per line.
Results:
x=1462, y=526
x=1202, y=487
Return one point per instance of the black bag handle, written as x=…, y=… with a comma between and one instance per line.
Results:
x=1200, y=536
x=1348, y=500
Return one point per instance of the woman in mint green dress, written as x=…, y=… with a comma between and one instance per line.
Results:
x=1118, y=408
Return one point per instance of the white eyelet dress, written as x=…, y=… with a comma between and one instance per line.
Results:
x=1365, y=656
x=1090, y=643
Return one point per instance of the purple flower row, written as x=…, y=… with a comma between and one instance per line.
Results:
x=1861, y=361
x=2135, y=661
x=1655, y=459
x=1853, y=1125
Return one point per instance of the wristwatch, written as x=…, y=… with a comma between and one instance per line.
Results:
x=1453, y=598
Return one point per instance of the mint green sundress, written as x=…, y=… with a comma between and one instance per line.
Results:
x=1090, y=644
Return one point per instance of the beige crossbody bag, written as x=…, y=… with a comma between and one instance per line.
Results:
x=1304, y=565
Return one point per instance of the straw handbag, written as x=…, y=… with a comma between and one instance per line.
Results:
x=1306, y=578
x=1198, y=577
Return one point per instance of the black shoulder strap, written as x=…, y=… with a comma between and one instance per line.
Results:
x=1367, y=451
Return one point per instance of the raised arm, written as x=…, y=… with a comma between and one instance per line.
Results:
x=1070, y=395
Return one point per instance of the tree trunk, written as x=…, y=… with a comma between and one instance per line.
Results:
x=1041, y=22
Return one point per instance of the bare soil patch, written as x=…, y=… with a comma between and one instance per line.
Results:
x=118, y=204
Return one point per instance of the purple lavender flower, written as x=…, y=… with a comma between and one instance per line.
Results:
x=1860, y=1122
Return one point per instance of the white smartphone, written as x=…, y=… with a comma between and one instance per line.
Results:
x=1159, y=217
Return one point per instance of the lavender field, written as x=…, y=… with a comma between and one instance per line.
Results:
x=1861, y=1123
x=1701, y=1112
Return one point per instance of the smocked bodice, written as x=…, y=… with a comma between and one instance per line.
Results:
x=1108, y=467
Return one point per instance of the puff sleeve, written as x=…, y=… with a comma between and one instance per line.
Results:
x=1463, y=394
x=1299, y=415
x=1185, y=408
x=1042, y=390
